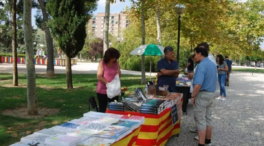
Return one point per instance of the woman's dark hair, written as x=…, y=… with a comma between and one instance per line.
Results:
x=111, y=53
x=202, y=50
x=221, y=59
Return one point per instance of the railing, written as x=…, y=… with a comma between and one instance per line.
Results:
x=37, y=61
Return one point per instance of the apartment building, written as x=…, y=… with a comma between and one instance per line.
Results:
x=117, y=24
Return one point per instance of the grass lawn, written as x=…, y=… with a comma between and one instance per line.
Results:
x=51, y=93
x=251, y=70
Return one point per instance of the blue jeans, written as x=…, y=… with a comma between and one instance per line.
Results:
x=222, y=80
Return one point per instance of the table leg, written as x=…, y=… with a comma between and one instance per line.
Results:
x=186, y=96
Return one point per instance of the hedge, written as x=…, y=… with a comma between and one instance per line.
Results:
x=11, y=55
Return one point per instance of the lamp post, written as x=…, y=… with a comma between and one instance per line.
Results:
x=179, y=8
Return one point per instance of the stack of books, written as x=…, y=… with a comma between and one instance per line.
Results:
x=116, y=106
x=131, y=106
x=152, y=106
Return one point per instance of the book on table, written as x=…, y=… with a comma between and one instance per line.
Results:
x=50, y=132
x=62, y=129
x=69, y=125
x=129, y=124
x=65, y=140
x=20, y=144
x=101, y=115
x=94, y=126
x=94, y=114
x=97, y=141
x=83, y=120
x=129, y=117
x=35, y=139
x=113, y=132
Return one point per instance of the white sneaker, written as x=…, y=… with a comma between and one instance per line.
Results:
x=223, y=98
x=218, y=97
x=196, y=137
x=193, y=129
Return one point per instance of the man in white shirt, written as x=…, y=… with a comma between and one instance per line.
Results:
x=210, y=56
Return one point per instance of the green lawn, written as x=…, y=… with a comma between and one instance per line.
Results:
x=51, y=93
x=251, y=70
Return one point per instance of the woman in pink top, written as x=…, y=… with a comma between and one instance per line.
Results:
x=107, y=70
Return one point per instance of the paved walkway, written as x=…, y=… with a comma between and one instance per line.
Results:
x=238, y=121
x=80, y=68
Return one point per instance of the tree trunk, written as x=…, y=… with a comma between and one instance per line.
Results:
x=106, y=24
x=31, y=80
x=50, y=66
x=68, y=73
x=14, y=43
x=158, y=26
x=143, y=79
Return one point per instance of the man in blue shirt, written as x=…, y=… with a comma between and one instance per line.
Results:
x=204, y=83
x=229, y=64
x=168, y=70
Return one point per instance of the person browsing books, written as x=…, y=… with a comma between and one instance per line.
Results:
x=168, y=70
x=107, y=70
x=190, y=65
x=204, y=87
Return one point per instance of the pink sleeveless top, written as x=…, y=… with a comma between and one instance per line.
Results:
x=109, y=74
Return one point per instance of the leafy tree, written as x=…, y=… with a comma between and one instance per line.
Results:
x=97, y=47
x=6, y=24
x=67, y=25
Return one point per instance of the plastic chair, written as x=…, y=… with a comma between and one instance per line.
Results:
x=93, y=104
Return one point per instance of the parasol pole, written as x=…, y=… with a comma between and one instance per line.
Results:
x=150, y=68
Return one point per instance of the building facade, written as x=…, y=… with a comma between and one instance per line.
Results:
x=117, y=24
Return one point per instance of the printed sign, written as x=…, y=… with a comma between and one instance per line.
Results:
x=174, y=114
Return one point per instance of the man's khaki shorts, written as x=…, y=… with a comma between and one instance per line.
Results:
x=203, y=109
